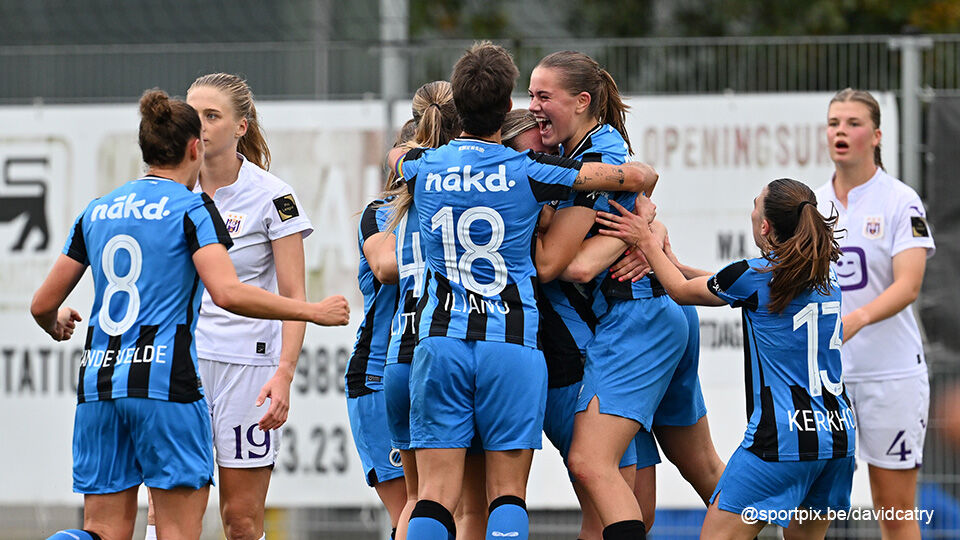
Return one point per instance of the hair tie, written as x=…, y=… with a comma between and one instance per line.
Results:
x=434, y=105
x=800, y=207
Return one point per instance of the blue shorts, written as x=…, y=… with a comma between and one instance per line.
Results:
x=774, y=487
x=682, y=404
x=645, y=449
x=459, y=388
x=371, y=436
x=558, y=422
x=125, y=442
x=633, y=356
x=396, y=395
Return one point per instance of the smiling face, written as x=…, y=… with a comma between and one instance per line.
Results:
x=221, y=127
x=851, y=269
x=560, y=114
x=851, y=135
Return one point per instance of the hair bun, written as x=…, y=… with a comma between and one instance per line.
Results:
x=155, y=106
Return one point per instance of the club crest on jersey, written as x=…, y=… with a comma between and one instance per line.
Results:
x=873, y=227
x=286, y=207
x=455, y=180
x=234, y=222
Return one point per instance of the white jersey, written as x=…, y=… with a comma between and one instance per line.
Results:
x=883, y=217
x=257, y=209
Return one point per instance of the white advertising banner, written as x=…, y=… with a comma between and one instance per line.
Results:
x=713, y=153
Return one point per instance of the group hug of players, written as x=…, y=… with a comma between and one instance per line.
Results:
x=515, y=283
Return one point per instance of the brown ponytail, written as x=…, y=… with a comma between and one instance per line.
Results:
x=166, y=127
x=437, y=123
x=252, y=144
x=867, y=99
x=580, y=73
x=802, y=244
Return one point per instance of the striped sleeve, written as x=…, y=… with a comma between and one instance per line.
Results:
x=76, y=246
x=202, y=225
x=551, y=177
x=734, y=286
x=374, y=219
x=408, y=166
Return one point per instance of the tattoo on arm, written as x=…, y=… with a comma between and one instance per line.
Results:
x=620, y=172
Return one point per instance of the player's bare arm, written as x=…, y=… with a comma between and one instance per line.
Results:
x=219, y=277
x=633, y=176
x=380, y=252
x=45, y=307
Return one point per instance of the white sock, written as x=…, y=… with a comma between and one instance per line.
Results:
x=151, y=532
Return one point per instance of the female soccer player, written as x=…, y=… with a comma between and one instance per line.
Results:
x=477, y=367
x=564, y=364
x=884, y=255
x=579, y=107
x=153, y=245
x=243, y=362
x=798, y=448
x=365, y=377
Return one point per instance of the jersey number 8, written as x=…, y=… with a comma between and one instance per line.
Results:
x=460, y=271
x=126, y=283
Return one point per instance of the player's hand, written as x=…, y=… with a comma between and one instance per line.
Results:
x=668, y=249
x=629, y=227
x=632, y=266
x=332, y=311
x=853, y=322
x=67, y=319
x=278, y=390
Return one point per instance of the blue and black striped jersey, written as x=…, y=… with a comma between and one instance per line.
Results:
x=139, y=240
x=410, y=264
x=365, y=369
x=570, y=311
x=605, y=144
x=797, y=408
x=481, y=278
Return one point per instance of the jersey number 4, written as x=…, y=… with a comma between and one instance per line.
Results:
x=809, y=316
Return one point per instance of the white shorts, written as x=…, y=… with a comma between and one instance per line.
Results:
x=232, y=391
x=891, y=420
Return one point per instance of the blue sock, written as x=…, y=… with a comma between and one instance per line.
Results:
x=431, y=521
x=508, y=519
x=74, y=534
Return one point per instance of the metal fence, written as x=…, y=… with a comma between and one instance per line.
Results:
x=339, y=70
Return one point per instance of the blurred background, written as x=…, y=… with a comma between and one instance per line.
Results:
x=724, y=94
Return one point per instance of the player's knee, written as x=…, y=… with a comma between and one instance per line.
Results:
x=74, y=534
x=583, y=469
x=238, y=525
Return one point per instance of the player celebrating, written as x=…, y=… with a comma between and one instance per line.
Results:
x=579, y=107
x=141, y=415
x=798, y=449
x=564, y=359
x=885, y=249
x=478, y=362
x=401, y=252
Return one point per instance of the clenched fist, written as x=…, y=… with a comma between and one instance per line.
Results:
x=332, y=311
